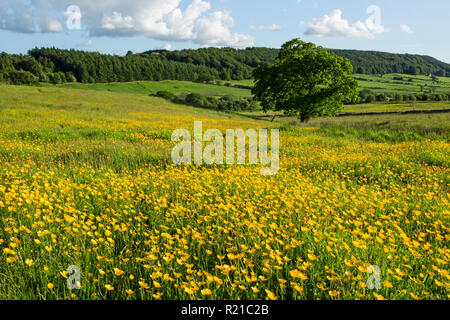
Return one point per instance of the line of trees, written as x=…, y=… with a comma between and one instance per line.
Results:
x=203, y=65
x=373, y=62
x=61, y=66
x=226, y=103
x=368, y=96
x=232, y=64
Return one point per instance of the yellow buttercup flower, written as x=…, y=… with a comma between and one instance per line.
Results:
x=29, y=262
x=118, y=272
x=206, y=292
x=271, y=295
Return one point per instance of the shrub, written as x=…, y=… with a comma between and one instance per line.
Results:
x=381, y=97
x=371, y=98
x=364, y=94
x=166, y=95
x=195, y=99
x=412, y=98
x=70, y=77
x=424, y=97
x=398, y=97
x=43, y=77
x=22, y=77
x=55, y=78
x=226, y=103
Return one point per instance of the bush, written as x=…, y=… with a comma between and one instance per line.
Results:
x=412, y=98
x=195, y=99
x=166, y=95
x=43, y=77
x=364, y=94
x=227, y=103
x=22, y=77
x=55, y=78
x=70, y=77
x=398, y=97
x=381, y=97
x=371, y=98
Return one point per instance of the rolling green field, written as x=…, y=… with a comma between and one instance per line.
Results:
x=175, y=87
x=397, y=107
x=377, y=84
x=86, y=182
x=418, y=84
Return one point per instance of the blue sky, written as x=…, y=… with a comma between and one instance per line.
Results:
x=116, y=26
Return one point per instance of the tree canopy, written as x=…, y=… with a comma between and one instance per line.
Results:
x=205, y=64
x=306, y=81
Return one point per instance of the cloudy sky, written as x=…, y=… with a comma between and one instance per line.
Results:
x=116, y=26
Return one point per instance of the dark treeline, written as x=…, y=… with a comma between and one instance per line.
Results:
x=238, y=64
x=225, y=103
x=368, y=96
x=232, y=64
x=373, y=62
x=203, y=65
x=60, y=66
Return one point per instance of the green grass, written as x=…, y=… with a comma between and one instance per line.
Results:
x=397, y=107
x=378, y=84
x=85, y=181
x=387, y=84
x=175, y=87
x=393, y=128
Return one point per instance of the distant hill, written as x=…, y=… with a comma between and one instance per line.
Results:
x=232, y=64
x=374, y=62
x=202, y=65
x=238, y=64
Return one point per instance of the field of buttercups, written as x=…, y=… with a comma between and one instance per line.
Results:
x=86, y=180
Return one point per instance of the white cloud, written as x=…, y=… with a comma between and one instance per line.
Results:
x=51, y=25
x=117, y=21
x=157, y=19
x=273, y=27
x=214, y=29
x=405, y=28
x=334, y=25
x=88, y=43
x=167, y=47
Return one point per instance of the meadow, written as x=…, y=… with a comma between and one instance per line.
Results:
x=403, y=84
x=172, y=86
x=86, y=180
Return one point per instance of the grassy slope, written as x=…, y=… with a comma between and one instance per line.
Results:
x=387, y=84
x=66, y=116
x=176, y=87
x=379, y=84
x=79, y=185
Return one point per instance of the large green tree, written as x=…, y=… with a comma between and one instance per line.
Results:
x=306, y=81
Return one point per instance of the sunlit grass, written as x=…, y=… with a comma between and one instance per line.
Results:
x=85, y=179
